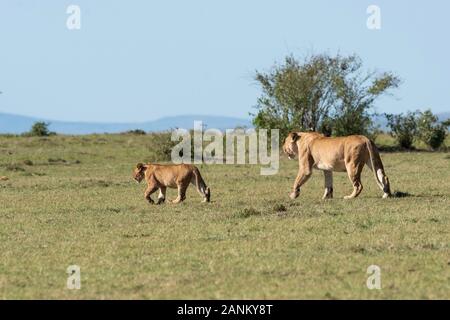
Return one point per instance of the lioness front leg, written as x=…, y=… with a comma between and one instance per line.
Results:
x=302, y=177
x=328, y=194
x=162, y=195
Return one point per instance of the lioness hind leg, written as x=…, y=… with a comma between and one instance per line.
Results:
x=181, y=193
x=354, y=174
x=202, y=189
x=382, y=180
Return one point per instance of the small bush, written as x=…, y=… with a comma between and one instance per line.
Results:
x=403, y=128
x=430, y=131
x=161, y=146
x=40, y=129
x=137, y=132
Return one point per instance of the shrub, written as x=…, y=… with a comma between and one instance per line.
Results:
x=430, y=131
x=137, y=132
x=403, y=128
x=40, y=129
x=161, y=146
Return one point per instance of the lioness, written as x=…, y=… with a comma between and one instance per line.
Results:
x=161, y=177
x=341, y=154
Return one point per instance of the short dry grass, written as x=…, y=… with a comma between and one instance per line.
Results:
x=71, y=200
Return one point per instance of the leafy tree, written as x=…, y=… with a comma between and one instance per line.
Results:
x=430, y=131
x=403, y=128
x=331, y=94
x=446, y=123
x=40, y=129
x=295, y=95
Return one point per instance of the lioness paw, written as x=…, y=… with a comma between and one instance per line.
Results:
x=293, y=195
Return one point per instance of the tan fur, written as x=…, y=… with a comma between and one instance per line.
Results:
x=341, y=154
x=159, y=176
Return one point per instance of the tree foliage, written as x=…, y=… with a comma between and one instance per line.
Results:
x=430, y=131
x=422, y=126
x=331, y=94
x=403, y=128
x=40, y=129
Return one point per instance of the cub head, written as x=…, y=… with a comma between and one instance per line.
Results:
x=139, y=172
x=290, y=145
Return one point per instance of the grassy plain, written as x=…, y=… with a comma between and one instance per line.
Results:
x=71, y=200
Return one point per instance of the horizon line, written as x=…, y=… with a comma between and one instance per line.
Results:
x=38, y=118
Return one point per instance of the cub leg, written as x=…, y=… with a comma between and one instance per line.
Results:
x=148, y=192
x=354, y=174
x=152, y=186
x=162, y=195
x=328, y=194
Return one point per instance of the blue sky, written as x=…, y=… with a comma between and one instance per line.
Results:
x=142, y=60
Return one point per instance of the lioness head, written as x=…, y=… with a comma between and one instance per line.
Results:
x=290, y=145
x=139, y=172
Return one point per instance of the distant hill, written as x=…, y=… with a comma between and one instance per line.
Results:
x=16, y=124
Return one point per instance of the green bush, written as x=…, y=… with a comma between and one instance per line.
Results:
x=137, y=132
x=40, y=129
x=161, y=146
x=403, y=128
x=430, y=131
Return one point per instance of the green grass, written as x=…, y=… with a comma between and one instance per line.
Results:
x=75, y=203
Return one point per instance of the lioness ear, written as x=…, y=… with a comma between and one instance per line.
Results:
x=295, y=136
x=140, y=166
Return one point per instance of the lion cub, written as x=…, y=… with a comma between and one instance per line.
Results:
x=159, y=176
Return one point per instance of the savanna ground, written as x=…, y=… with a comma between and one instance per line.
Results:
x=71, y=201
